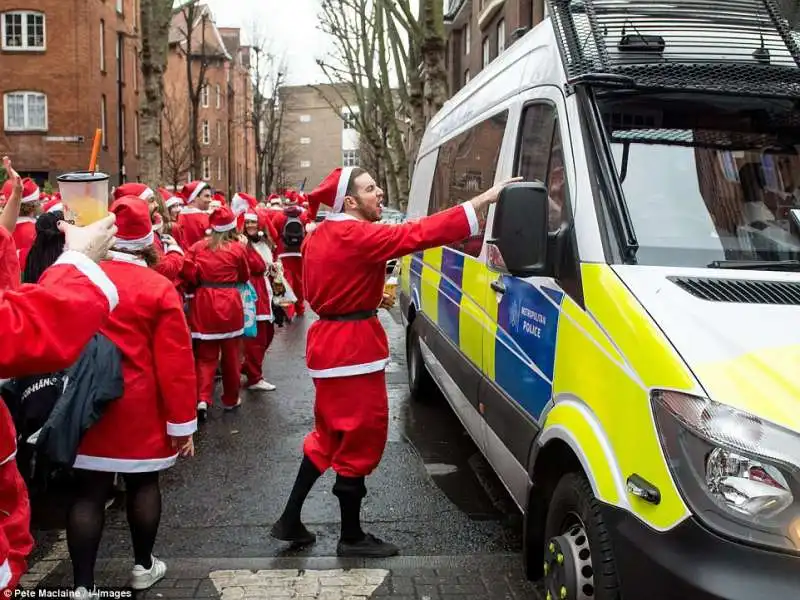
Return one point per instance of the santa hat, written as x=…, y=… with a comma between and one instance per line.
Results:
x=134, y=228
x=30, y=191
x=220, y=197
x=169, y=198
x=192, y=190
x=53, y=205
x=331, y=191
x=222, y=219
x=133, y=189
x=242, y=202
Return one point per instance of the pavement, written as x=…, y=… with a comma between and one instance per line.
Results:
x=433, y=495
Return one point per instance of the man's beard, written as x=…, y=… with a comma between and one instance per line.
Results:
x=366, y=214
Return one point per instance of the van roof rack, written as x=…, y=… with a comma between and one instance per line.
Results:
x=746, y=47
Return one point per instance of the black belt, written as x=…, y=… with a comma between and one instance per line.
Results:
x=360, y=315
x=218, y=284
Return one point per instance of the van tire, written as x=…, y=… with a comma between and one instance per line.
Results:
x=573, y=496
x=420, y=381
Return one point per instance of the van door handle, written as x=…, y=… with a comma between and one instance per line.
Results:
x=498, y=286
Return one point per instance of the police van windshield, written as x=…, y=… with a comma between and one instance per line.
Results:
x=709, y=181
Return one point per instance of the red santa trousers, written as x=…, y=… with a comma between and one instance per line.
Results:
x=351, y=420
x=207, y=357
x=293, y=269
x=254, y=351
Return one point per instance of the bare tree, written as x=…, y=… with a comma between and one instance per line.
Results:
x=176, y=148
x=284, y=161
x=155, y=19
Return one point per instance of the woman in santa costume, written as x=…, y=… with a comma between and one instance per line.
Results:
x=214, y=268
x=347, y=350
x=25, y=231
x=143, y=432
x=259, y=259
x=193, y=218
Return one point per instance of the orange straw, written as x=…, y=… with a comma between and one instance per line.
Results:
x=98, y=136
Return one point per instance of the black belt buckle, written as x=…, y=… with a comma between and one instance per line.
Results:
x=361, y=315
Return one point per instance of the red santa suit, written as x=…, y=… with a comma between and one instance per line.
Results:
x=291, y=258
x=192, y=221
x=259, y=258
x=345, y=266
x=149, y=328
x=216, y=313
x=25, y=231
x=10, y=275
x=170, y=254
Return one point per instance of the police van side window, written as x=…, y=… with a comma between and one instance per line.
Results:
x=466, y=167
x=541, y=158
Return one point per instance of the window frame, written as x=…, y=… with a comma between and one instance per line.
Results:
x=25, y=112
x=501, y=35
x=24, y=14
x=305, y=141
x=120, y=7
x=354, y=158
x=219, y=96
x=486, y=52
x=136, y=134
x=204, y=96
x=467, y=37
x=205, y=167
x=205, y=132
x=102, y=45
x=305, y=164
x=104, y=120
x=305, y=118
x=219, y=132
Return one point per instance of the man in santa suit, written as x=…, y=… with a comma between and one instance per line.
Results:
x=193, y=219
x=291, y=256
x=25, y=231
x=347, y=350
x=33, y=323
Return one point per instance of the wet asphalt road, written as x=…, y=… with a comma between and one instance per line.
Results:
x=432, y=494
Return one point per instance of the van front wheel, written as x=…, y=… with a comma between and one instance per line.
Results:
x=419, y=380
x=578, y=559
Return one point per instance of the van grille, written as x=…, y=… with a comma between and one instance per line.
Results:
x=741, y=290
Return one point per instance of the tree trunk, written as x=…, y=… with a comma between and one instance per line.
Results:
x=433, y=49
x=155, y=18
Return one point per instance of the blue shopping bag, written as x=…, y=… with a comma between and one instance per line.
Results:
x=249, y=297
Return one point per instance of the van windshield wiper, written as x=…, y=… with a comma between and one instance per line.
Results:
x=757, y=265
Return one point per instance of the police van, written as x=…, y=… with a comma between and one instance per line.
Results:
x=622, y=340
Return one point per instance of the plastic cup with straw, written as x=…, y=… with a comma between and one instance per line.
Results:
x=85, y=193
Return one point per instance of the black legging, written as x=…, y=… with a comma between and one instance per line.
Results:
x=87, y=517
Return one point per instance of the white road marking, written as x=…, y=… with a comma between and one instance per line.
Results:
x=338, y=584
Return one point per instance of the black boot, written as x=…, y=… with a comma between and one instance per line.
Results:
x=289, y=527
x=354, y=542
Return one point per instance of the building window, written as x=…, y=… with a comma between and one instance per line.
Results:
x=219, y=169
x=135, y=62
x=136, y=133
x=349, y=118
x=25, y=111
x=102, y=45
x=305, y=140
x=204, y=96
x=305, y=164
x=467, y=38
x=103, y=120
x=120, y=6
x=466, y=77
x=219, y=133
x=206, y=128
x=135, y=14
x=350, y=158
x=120, y=56
x=206, y=168
x=23, y=30
x=219, y=97
x=486, y=55
x=501, y=36
x=305, y=118
x=122, y=127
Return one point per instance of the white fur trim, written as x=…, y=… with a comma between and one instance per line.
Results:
x=56, y=208
x=174, y=201
x=182, y=429
x=137, y=244
x=21, y=220
x=9, y=458
x=350, y=370
x=285, y=254
x=32, y=197
x=239, y=205
x=341, y=189
x=146, y=194
x=225, y=227
x=95, y=274
x=472, y=217
x=251, y=217
x=265, y=318
x=217, y=336
x=193, y=210
x=340, y=217
x=200, y=187
x=5, y=575
x=173, y=248
x=123, y=465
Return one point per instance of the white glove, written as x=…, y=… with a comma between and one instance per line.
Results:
x=94, y=240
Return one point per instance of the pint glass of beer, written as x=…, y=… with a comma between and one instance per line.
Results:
x=85, y=195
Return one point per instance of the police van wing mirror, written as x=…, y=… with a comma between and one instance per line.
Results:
x=520, y=228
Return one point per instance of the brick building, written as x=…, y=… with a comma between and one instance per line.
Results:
x=316, y=136
x=478, y=31
x=67, y=69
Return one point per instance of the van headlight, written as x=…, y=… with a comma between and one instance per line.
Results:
x=739, y=474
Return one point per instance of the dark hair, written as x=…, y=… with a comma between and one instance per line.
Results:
x=47, y=247
x=149, y=254
x=351, y=183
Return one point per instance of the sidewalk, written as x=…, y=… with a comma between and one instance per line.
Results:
x=489, y=577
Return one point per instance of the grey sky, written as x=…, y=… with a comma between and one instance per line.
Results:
x=290, y=26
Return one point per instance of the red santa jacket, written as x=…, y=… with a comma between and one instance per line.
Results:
x=193, y=224
x=10, y=275
x=215, y=310
x=170, y=259
x=24, y=233
x=279, y=221
x=345, y=267
x=150, y=330
x=258, y=277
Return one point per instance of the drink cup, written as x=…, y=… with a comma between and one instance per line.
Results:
x=85, y=195
x=390, y=288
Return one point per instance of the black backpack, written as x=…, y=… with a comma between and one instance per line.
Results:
x=293, y=233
